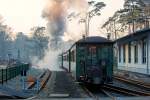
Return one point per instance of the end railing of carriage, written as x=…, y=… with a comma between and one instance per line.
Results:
x=11, y=72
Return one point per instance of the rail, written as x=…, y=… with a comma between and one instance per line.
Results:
x=108, y=94
x=125, y=91
x=43, y=78
x=133, y=81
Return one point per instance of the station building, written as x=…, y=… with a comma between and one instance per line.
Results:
x=133, y=52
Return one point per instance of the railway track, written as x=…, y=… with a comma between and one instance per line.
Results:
x=133, y=82
x=32, y=83
x=108, y=94
x=89, y=93
x=97, y=92
x=124, y=90
x=113, y=91
x=43, y=78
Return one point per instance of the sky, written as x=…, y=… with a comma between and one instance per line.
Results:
x=21, y=15
x=108, y=11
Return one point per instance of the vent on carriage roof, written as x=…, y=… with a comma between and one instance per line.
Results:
x=94, y=39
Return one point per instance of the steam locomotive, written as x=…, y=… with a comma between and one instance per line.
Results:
x=90, y=60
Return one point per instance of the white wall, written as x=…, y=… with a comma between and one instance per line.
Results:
x=136, y=67
x=149, y=53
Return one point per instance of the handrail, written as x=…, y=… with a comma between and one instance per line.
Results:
x=11, y=72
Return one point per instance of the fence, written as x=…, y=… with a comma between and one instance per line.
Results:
x=11, y=72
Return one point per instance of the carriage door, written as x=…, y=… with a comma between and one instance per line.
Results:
x=92, y=56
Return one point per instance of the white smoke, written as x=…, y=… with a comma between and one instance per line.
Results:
x=51, y=60
x=56, y=12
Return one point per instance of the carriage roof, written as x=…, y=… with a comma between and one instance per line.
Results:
x=94, y=39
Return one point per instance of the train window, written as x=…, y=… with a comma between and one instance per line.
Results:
x=64, y=57
x=67, y=57
x=73, y=56
x=92, y=49
x=92, y=57
x=81, y=51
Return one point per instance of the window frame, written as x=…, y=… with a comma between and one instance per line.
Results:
x=129, y=52
x=144, y=51
x=124, y=53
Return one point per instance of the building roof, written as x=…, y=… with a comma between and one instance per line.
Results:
x=94, y=39
x=134, y=36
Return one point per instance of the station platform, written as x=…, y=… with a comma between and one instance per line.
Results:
x=14, y=87
x=133, y=75
x=61, y=85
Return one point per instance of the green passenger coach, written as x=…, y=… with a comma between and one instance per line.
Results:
x=90, y=60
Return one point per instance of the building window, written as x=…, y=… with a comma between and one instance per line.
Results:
x=136, y=53
x=129, y=52
x=124, y=53
x=119, y=53
x=144, y=51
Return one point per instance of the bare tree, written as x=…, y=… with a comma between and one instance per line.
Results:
x=40, y=41
x=94, y=10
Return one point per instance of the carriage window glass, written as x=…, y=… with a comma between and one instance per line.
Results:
x=92, y=59
x=81, y=51
x=64, y=57
x=92, y=50
x=73, y=56
x=67, y=57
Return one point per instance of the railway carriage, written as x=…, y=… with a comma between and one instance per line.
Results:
x=90, y=60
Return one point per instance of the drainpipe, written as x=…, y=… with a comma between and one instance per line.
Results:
x=148, y=55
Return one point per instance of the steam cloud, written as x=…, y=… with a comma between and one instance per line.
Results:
x=55, y=12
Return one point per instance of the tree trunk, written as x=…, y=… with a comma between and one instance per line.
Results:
x=88, y=25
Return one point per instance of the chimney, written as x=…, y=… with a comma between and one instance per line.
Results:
x=83, y=36
x=108, y=36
